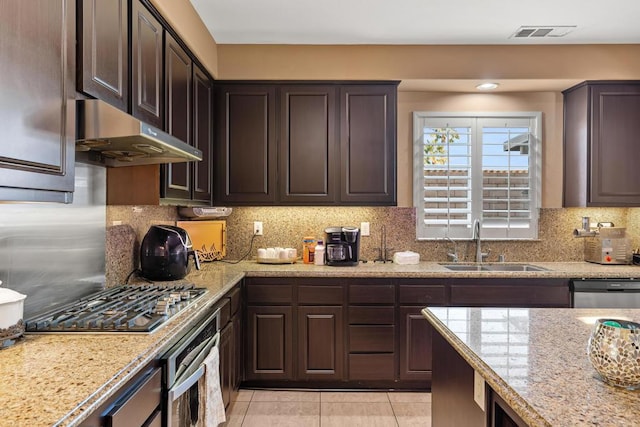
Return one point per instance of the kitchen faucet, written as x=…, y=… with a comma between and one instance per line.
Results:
x=477, y=225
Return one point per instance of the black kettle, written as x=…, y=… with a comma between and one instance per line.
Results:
x=165, y=252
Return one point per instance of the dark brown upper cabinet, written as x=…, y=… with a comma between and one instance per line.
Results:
x=131, y=59
x=202, y=136
x=307, y=143
x=245, y=169
x=601, y=155
x=37, y=45
x=147, y=102
x=368, y=145
x=176, y=177
x=189, y=112
x=308, y=149
x=103, y=63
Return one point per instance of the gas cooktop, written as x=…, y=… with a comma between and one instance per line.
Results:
x=119, y=309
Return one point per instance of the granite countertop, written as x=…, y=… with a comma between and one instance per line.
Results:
x=58, y=379
x=536, y=360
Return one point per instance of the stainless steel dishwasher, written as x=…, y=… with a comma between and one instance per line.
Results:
x=605, y=293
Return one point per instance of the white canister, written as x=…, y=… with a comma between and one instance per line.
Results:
x=262, y=253
x=292, y=253
x=11, y=307
x=271, y=253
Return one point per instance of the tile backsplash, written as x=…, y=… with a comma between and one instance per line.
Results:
x=285, y=226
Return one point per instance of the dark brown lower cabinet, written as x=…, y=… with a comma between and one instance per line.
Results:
x=227, y=362
x=238, y=356
x=452, y=399
x=320, y=343
x=452, y=403
x=501, y=413
x=269, y=343
x=415, y=345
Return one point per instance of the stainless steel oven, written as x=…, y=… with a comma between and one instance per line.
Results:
x=183, y=371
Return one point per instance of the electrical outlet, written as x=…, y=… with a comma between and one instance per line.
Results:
x=364, y=229
x=257, y=228
x=478, y=389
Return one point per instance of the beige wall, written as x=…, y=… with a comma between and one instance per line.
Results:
x=187, y=23
x=580, y=62
x=549, y=103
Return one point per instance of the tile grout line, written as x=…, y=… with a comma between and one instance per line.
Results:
x=395, y=418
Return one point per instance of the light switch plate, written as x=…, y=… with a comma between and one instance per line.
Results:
x=364, y=229
x=478, y=389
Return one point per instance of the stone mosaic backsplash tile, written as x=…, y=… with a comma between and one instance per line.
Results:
x=286, y=226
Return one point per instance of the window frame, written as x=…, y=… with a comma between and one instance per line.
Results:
x=535, y=172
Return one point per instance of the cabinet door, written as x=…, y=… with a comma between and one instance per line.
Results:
x=368, y=144
x=227, y=362
x=146, y=66
x=202, y=136
x=36, y=106
x=415, y=345
x=238, y=375
x=269, y=343
x=246, y=137
x=614, y=145
x=308, y=144
x=320, y=343
x=104, y=51
x=176, y=177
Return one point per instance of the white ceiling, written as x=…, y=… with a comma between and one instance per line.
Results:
x=416, y=21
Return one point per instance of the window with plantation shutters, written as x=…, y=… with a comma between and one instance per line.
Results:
x=477, y=166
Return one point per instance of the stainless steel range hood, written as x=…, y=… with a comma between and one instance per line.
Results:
x=122, y=140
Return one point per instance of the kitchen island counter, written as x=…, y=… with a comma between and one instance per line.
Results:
x=59, y=379
x=535, y=360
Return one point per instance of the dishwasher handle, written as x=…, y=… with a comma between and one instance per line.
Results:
x=196, y=357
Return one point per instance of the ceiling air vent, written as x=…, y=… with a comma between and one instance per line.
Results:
x=538, y=31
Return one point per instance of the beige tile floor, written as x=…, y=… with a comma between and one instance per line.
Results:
x=267, y=408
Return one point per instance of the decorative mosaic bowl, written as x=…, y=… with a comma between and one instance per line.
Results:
x=614, y=351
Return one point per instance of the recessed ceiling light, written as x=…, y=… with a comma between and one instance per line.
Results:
x=487, y=86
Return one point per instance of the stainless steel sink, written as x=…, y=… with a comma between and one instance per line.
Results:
x=514, y=267
x=493, y=267
x=463, y=267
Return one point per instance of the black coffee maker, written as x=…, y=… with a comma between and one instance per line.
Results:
x=342, y=246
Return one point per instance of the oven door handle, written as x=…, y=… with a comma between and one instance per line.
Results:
x=201, y=352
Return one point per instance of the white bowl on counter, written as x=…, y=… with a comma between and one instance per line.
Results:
x=11, y=312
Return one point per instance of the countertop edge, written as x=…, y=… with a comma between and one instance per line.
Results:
x=517, y=402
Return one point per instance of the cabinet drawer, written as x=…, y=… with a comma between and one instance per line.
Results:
x=234, y=296
x=517, y=295
x=269, y=294
x=135, y=408
x=225, y=311
x=366, y=338
x=372, y=294
x=371, y=367
x=422, y=294
x=320, y=295
x=371, y=315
